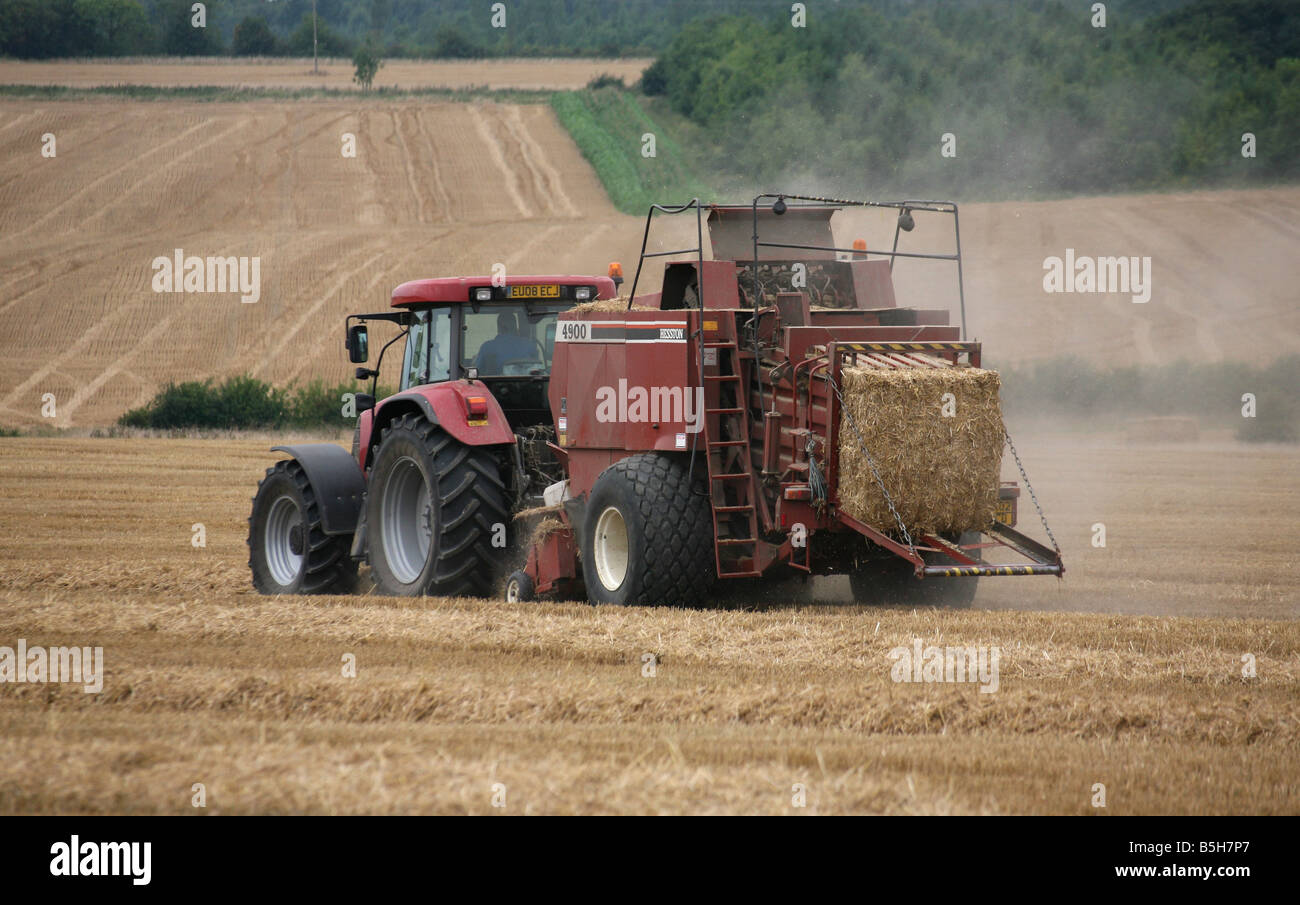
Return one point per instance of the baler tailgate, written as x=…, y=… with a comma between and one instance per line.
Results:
x=1045, y=561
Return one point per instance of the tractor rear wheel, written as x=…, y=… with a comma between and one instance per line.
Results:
x=288, y=551
x=432, y=508
x=647, y=538
x=892, y=581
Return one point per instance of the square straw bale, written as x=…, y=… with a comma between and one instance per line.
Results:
x=941, y=472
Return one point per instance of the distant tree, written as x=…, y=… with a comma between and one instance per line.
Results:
x=37, y=29
x=112, y=27
x=254, y=38
x=605, y=80
x=654, y=80
x=179, y=35
x=367, y=62
x=380, y=11
x=451, y=42
x=330, y=42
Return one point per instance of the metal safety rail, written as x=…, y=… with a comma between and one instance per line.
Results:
x=695, y=205
x=905, y=210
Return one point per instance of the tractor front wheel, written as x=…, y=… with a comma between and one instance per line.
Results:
x=288, y=551
x=647, y=536
x=432, y=508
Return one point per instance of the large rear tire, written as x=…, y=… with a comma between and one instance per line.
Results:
x=288, y=552
x=892, y=581
x=647, y=538
x=432, y=508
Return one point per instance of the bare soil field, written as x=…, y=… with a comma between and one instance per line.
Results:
x=526, y=74
x=443, y=188
x=208, y=682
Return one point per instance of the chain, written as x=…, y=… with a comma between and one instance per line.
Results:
x=815, y=479
x=1030, y=488
x=898, y=519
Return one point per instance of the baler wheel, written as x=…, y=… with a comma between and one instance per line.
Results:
x=647, y=538
x=519, y=588
x=288, y=552
x=431, y=511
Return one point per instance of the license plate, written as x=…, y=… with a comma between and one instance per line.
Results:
x=534, y=291
x=1005, y=512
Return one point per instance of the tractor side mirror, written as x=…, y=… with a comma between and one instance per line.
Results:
x=358, y=344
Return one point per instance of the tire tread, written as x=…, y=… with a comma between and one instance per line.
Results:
x=328, y=565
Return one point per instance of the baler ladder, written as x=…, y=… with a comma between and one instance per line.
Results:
x=731, y=472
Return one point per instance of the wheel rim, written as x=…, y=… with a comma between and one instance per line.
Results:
x=283, y=563
x=512, y=591
x=406, y=524
x=610, y=553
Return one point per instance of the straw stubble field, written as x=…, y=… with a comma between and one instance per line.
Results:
x=440, y=188
x=436, y=188
x=337, y=74
x=208, y=682
x=1128, y=672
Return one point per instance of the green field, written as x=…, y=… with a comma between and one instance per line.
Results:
x=609, y=126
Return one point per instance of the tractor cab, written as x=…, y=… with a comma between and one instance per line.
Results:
x=500, y=333
x=507, y=346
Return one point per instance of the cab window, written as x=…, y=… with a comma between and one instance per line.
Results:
x=506, y=341
x=427, y=344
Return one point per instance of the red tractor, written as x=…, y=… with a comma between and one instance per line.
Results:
x=436, y=469
x=649, y=448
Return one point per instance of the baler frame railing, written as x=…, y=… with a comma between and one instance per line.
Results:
x=848, y=251
x=693, y=204
x=698, y=250
x=903, y=207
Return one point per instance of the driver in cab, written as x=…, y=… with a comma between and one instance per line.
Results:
x=507, y=346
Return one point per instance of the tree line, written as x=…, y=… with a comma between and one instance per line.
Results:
x=42, y=29
x=977, y=100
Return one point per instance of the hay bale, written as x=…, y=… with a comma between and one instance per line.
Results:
x=523, y=514
x=545, y=522
x=544, y=529
x=618, y=304
x=941, y=472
